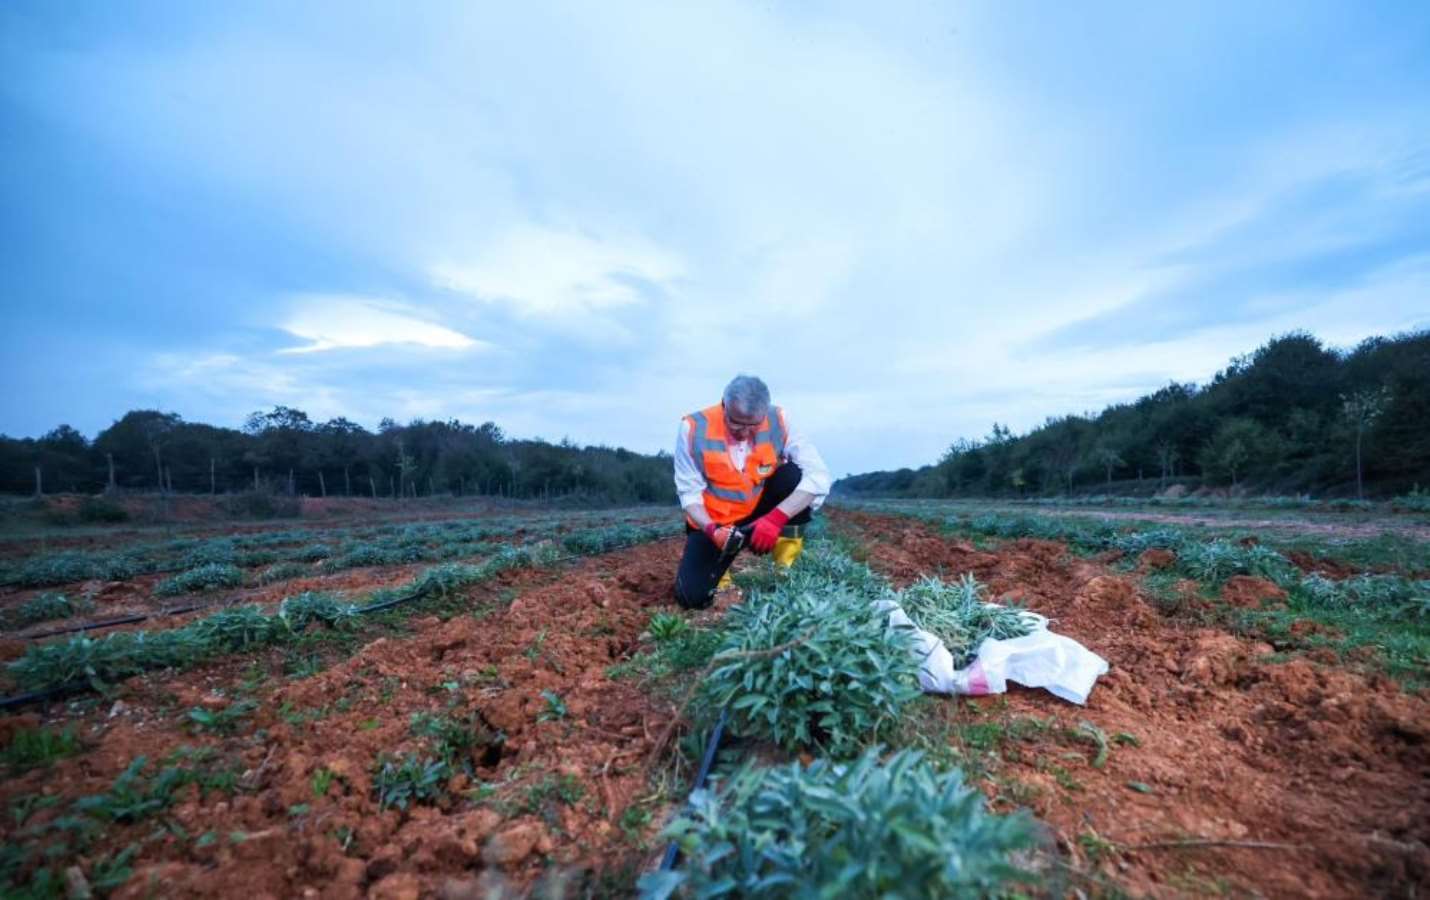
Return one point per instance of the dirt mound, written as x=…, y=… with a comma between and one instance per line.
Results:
x=1115, y=595
x=1155, y=560
x=1250, y=592
x=1331, y=568
x=1219, y=765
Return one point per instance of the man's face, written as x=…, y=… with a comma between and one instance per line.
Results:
x=740, y=426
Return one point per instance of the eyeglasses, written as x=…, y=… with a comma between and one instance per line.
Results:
x=735, y=425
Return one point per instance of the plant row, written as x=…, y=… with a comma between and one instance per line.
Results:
x=369, y=545
x=1209, y=560
x=97, y=661
x=809, y=662
x=1413, y=502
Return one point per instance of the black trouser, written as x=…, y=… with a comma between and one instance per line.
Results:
x=701, y=566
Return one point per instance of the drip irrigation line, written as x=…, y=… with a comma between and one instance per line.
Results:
x=123, y=620
x=41, y=696
x=672, y=852
x=54, y=693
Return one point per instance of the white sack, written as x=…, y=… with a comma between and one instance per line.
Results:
x=1040, y=659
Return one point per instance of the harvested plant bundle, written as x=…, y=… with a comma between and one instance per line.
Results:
x=813, y=669
x=861, y=829
x=958, y=615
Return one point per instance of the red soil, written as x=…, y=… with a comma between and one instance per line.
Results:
x=1155, y=560
x=560, y=634
x=1331, y=766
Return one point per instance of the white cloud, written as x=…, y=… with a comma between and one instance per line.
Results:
x=338, y=322
x=880, y=213
x=547, y=272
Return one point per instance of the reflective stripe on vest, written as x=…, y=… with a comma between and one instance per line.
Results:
x=732, y=493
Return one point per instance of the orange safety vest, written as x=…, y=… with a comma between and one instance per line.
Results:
x=730, y=493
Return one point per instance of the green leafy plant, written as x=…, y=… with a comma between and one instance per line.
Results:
x=238, y=628
x=634, y=821
x=447, y=578
x=667, y=626
x=551, y=790
x=1416, y=501
x=221, y=721
x=33, y=747
x=322, y=782
x=407, y=779
x=818, y=668
x=1380, y=596
x=456, y=738
x=54, y=568
x=690, y=649
x=284, y=571
x=555, y=707
x=602, y=540
x=1211, y=561
x=110, y=872
x=50, y=605
x=207, y=577
x=311, y=553
x=862, y=829
x=1140, y=541
x=217, y=552
x=133, y=796
x=296, y=613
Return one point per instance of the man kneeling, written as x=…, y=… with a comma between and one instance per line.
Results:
x=738, y=463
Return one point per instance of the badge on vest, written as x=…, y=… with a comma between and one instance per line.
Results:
x=764, y=470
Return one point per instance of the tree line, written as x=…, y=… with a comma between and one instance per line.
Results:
x=1292, y=417
x=283, y=451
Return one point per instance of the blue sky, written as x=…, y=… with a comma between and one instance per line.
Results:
x=580, y=220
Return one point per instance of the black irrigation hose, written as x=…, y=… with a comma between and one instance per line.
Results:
x=672, y=852
x=36, y=696
x=53, y=693
x=41, y=696
x=124, y=620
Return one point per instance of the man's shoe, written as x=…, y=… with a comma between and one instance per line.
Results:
x=787, y=550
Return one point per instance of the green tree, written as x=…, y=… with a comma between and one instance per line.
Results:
x=1107, y=456
x=1361, y=410
x=1237, y=444
x=137, y=442
x=281, y=439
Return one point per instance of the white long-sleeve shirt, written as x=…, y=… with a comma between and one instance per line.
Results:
x=690, y=484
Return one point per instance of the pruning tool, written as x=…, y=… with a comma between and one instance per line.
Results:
x=739, y=537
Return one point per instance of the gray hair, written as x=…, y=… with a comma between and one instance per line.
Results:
x=747, y=396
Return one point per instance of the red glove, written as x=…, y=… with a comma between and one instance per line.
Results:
x=767, y=530
x=718, y=534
